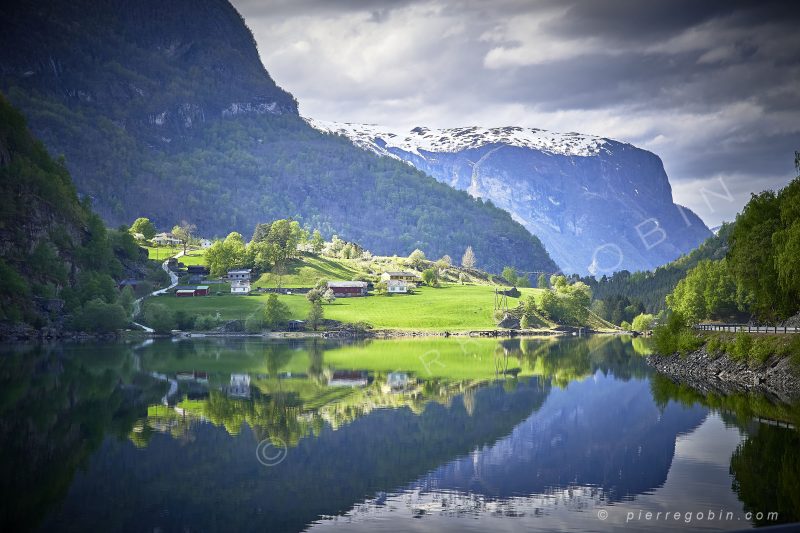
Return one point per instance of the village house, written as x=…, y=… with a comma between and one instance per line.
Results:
x=396, y=286
x=240, y=280
x=205, y=243
x=240, y=286
x=347, y=289
x=166, y=239
x=242, y=274
x=408, y=277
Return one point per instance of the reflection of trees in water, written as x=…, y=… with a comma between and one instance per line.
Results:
x=766, y=470
x=765, y=466
x=56, y=407
x=568, y=359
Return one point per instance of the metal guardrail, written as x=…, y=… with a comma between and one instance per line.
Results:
x=747, y=328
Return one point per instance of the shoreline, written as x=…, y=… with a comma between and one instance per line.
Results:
x=719, y=372
x=26, y=334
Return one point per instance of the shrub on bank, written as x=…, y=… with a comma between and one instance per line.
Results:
x=675, y=336
x=754, y=348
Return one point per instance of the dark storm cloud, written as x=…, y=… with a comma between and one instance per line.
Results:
x=711, y=86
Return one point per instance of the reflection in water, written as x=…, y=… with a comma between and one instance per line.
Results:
x=535, y=432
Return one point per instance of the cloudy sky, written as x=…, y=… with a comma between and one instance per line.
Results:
x=713, y=87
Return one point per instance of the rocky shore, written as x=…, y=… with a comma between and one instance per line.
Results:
x=718, y=372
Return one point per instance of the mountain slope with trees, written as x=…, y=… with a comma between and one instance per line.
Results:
x=58, y=258
x=163, y=109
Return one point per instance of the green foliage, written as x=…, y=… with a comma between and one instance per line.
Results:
x=642, y=322
x=567, y=304
x=275, y=312
x=315, y=315
x=626, y=325
x=417, y=258
x=430, y=277
x=510, y=275
x=254, y=323
x=98, y=316
x=543, y=282
x=206, y=322
x=707, y=292
x=126, y=299
x=159, y=317
x=317, y=242
x=675, y=336
x=144, y=226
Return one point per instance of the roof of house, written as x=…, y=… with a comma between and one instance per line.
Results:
x=359, y=284
x=202, y=287
x=401, y=273
x=240, y=271
x=185, y=291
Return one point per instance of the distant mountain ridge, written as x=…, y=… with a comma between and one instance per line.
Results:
x=164, y=109
x=597, y=204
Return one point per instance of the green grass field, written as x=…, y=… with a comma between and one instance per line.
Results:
x=308, y=270
x=230, y=307
x=449, y=307
x=193, y=257
x=161, y=253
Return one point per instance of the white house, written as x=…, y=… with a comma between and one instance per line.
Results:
x=240, y=275
x=165, y=239
x=408, y=277
x=205, y=243
x=240, y=286
x=396, y=286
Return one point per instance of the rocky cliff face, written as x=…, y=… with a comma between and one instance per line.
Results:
x=598, y=205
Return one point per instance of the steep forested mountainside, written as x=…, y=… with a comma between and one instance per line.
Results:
x=598, y=205
x=651, y=287
x=55, y=254
x=163, y=109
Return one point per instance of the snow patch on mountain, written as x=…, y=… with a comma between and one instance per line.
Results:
x=422, y=140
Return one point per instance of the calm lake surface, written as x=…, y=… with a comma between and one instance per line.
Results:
x=423, y=435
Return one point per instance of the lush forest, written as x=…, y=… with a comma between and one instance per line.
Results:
x=165, y=110
x=58, y=258
x=760, y=275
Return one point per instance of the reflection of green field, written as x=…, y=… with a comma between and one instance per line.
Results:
x=452, y=359
x=450, y=307
x=425, y=358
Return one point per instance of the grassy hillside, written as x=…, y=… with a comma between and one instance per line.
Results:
x=450, y=307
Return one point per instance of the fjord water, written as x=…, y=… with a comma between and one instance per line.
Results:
x=417, y=434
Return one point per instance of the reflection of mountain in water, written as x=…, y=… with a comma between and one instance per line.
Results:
x=600, y=432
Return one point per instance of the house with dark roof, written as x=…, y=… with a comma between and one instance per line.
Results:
x=348, y=289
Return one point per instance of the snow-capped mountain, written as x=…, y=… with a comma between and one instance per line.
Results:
x=598, y=205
